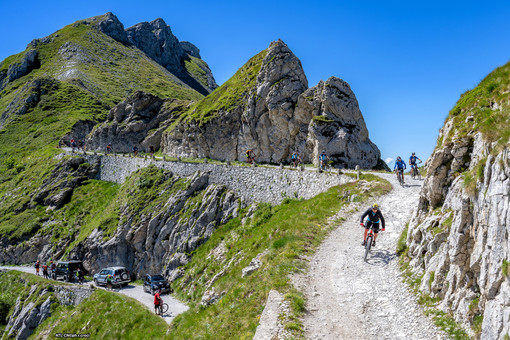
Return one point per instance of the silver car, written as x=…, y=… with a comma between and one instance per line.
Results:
x=120, y=276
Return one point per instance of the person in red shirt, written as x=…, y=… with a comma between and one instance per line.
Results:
x=37, y=265
x=157, y=302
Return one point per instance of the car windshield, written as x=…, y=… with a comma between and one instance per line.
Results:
x=158, y=278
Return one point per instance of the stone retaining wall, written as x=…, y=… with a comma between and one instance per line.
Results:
x=251, y=183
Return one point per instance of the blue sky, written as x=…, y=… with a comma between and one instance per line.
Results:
x=406, y=61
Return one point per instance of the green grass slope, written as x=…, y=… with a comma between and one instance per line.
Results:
x=82, y=74
x=232, y=94
x=104, y=315
x=486, y=108
x=286, y=233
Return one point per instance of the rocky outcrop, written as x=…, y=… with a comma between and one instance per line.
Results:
x=156, y=39
x=16, y=70
x=337, y=126
x=137, y=121
x=31, y=310
x=27, y=98
x=57, y=189
x=191, y=49
x=110, y=25
x=458, y=237
x=275, y=115
x=162, y=239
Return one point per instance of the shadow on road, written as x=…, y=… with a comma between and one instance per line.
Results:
x=380, y=257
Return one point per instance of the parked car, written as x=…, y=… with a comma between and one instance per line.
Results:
x=154, y=282
x=120, y=275
x=65, y=270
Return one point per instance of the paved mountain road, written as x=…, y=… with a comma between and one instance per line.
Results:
x=175, y=307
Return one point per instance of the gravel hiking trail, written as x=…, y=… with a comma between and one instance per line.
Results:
x=175, y=307
x=348, y=298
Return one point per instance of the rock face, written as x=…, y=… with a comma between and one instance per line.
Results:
x=275, y=116
x=28, y=315
x=110, y=25
x=337, y=126
x=161, y=240
x=137, y=121
x=57, y=189
x=28, y=62
x=458, y=237
x=158, y=42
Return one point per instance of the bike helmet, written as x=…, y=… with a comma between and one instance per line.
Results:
x=414, y=153
x=398, y=158
x=375, y=206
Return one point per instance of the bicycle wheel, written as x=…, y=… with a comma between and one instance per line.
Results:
x=368, y=245
x=164, y=308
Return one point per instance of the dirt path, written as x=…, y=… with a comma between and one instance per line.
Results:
x=175, y=307
x=348, y=298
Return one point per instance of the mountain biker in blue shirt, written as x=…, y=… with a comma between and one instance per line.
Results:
x=322, y=159
x=374, y=217
x=400, y=165
x=412, y=161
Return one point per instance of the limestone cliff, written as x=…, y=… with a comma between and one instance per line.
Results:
x=458, y=237
x=267, y=107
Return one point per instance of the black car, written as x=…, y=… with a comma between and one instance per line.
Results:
x=65, y=270
x=154, y=282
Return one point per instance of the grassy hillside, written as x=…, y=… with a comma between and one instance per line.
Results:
x=486, y=108
x=232, y=94
x=286, y=233
x=82, y=74
x=104, y=315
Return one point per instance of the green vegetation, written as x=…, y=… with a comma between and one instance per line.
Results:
x=402, y=242
x=322, y=119
x=17, y=284
x=105, y=315
x=94, y=316
x=100, y=72
x=505, y=267
x=230, y=95
x=283, y=234
x=479, y=105
x=196, y=67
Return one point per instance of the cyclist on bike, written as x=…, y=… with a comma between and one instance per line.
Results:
x=250, y=157
x=412, y=162
x=400, y=165
x=322, y=158
x=157, y=302
x=109, y=148
x=374, y=217
x=295, y=159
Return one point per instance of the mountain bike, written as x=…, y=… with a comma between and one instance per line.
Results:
x=163, y=308
x=415, y=172
x=400, y=176
x=368, y=243
x=324, y=166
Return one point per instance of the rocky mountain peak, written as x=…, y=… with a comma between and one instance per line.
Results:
x=157, y=41
x=110, y=25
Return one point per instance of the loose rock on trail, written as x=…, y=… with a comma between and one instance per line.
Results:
x=348, y=298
